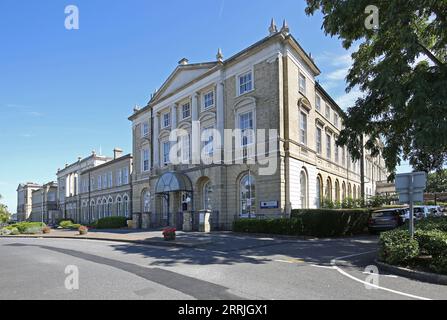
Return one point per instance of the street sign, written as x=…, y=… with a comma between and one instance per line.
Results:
x=411, y=187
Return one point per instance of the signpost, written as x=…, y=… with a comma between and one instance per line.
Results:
x=410, y=187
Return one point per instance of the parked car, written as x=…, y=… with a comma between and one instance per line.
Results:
x=386, y=219
x=435, y=211
x=421, y=212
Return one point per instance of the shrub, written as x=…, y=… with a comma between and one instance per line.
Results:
x=432, y=242
x=5, y=232
x=111, y=223
x=83, y=230
x=65, y=224
x=46, y=230
x=270, y=226
x=439, y=264
x=330, y=223
x=396, y=247
x=432, y=223
x=29, y=227
x=75, y=226
x=14, y=231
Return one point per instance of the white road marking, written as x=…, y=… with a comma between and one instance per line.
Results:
x=333, y=262
x=323, y=267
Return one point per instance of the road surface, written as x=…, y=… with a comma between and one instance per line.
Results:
x=235, y=267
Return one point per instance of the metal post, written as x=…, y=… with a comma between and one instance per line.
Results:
x=410, y=195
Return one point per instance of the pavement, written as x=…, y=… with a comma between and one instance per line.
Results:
x=155, y=237
x=229, y=266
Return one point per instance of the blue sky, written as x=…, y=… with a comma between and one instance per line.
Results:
x=65, y=93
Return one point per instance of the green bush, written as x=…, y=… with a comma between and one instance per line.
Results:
x=439, y=264
x=271, y=226
x=396, y=247
x=65, y=224
x=29, y=227
x=332, y=223
x=111, y=223
x=432, y=242
x=74, y=226
x=432, y=223
x=318, y=223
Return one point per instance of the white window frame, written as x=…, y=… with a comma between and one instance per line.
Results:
x=206, y=94
x=145, y=159
x=302, y=89
x=319, y=140
x=166, y=120
x=318, y=101
x=126, y=174
x=239, y=86
x=328, y=146
x=183, y=110
x=303, y=131
x=164, y=154
x=145, y=129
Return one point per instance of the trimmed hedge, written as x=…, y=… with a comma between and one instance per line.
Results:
x=332, y=223
x=396, y=247
x=318, y=223
x=66, y=224
x=289, y=227
x=111, y=223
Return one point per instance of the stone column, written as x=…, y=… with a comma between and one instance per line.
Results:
x=174, y=116
x=220, y=115
x=187, y=221
x=195, y=136
x=156, y=159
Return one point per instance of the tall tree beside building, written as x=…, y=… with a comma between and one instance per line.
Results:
x=437, y=182
x=4, y=213
x=400, y=66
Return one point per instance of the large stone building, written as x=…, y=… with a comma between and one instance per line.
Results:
x=25, y=199
x=69, y=199
x=106, y=190
x=44, y=204
x=270, y=85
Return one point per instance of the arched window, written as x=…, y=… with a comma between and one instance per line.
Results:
x=349, y=191
x=304, y=192
x=354, y=195
x=104, y=208
x=337, y=191
x=343, y=192
x=126, y=205
x=92, y=210
x=110, y=207
x=319, y=192
x=328, y=193
x=146, y=201
x=207, y=196
x=99, y=208
x=247, y=191
x=119, y=206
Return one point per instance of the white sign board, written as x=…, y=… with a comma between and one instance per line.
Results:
x=411, y=184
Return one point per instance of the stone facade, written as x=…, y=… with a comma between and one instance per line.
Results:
x=105, y=190
x=25, y=200
x=69, y=199
x=270, y=85
x=45, y=206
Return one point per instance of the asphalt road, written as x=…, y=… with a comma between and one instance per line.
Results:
x=235, y=267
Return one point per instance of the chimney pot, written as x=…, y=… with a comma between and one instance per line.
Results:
x=117, y=153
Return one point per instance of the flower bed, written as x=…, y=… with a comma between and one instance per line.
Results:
x=169, y=234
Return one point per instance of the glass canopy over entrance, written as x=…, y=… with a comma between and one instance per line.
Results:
x=173, y=182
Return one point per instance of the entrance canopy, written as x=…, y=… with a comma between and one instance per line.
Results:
x=173, y=182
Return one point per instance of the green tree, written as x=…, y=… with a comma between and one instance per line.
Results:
x=437, y=182
x=4, y=213
x=400, y=66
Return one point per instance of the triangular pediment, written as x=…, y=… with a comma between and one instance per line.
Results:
x=181, y=76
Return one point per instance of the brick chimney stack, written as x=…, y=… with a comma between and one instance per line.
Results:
x=117, y=153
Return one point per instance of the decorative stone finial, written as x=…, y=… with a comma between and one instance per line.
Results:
x=219, y=55
x=273, y=29
x=183, y=62
x=136, y=108
x=285, y=27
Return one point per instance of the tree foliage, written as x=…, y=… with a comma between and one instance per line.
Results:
x=4, y=213
x=401, y=69
x=437, y=182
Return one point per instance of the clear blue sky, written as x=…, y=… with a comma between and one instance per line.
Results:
x=65, y=93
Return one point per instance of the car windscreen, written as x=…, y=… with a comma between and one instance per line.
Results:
x=383, y=214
